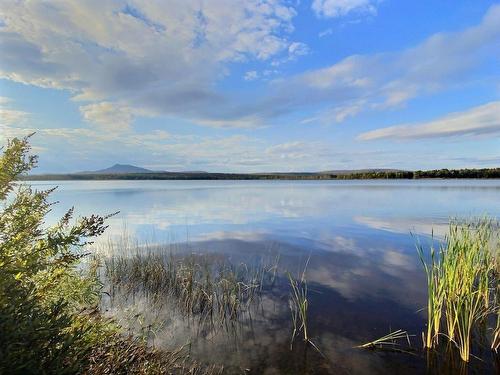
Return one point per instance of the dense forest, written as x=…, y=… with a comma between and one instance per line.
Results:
x=364, y=175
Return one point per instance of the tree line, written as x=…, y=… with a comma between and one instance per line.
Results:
x=483, y=173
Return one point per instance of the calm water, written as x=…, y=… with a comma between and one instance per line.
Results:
x=364, y=276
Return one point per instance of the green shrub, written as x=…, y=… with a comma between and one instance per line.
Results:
x=41, y=290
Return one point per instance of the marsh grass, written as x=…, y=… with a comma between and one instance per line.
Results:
x=495, y=343
x=390, y=340
x=433, y=271
x=206, y=287
x=462, y=282
x=128, y=356
x=299, y=304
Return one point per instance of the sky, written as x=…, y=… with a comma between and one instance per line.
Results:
x=252, y=85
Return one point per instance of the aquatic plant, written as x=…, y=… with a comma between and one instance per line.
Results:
x=298, y=305
x=389, y=340
x=433, y=272
x=205, y=286
x=459, y=281
x=495, y=343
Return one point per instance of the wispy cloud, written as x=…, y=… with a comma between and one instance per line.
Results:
x=340, y=8
x=325, y=32
x=9, y=116
x=481, y=120
x=108, y=115
x=251, y=75
x=361, y=83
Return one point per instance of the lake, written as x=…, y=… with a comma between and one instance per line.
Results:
x=364, y=276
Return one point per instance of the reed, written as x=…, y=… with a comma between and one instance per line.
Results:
x=435, y=300
x=460, y=281
x=389, y=340
x=299, y=305
x=203, y=286
x=495, y=343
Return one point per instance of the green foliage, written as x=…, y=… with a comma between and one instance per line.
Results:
x=41, y=290
x=435, y=299
x=463, y=283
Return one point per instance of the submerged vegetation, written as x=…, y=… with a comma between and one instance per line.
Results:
x=202, y=286
x=463, y=284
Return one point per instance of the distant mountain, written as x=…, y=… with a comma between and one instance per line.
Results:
x=120, y=169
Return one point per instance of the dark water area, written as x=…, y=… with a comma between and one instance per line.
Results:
x=364, y=276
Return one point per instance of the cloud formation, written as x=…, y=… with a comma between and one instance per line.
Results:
x=164, y=58
x=108, y=115
x=191, y=63
x=148, y=59
x=339, y=8
x=9, y=116
x=361, y=83
x=481, y=120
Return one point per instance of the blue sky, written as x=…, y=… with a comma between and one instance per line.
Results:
x=249, y=86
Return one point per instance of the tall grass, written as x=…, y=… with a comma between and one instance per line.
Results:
x=201, y=285
x=460, y=281
x=433, y=271
x=495, y=343
x=389, y=340
x=299, y=304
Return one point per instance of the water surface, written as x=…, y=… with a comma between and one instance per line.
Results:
x=364, y=275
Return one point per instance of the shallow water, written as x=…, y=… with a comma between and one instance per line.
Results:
x=364, y=276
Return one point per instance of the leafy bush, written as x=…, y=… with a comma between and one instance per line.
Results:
x=41, y=291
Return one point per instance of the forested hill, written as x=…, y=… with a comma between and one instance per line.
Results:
x=483, y=173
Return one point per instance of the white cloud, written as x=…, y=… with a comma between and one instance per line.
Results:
x=11, y=116
x=380, y=81
x=89, y=148
x=297, y=49
x=8, y=116
x=162, y=57
x=148, y=58
x=251, y=75
x=325, y=32
x=297, y=151
x=484, y=119
x=107, y=115
x=340, y=8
